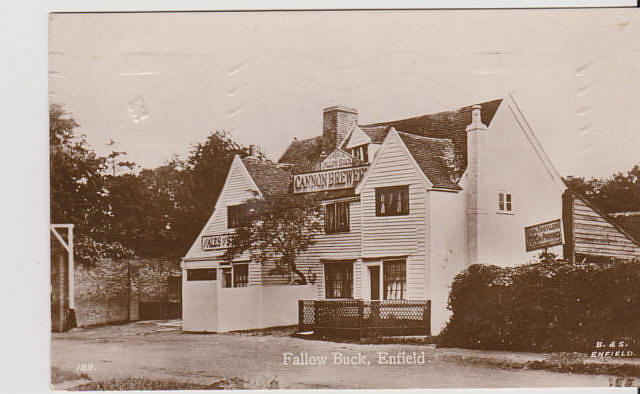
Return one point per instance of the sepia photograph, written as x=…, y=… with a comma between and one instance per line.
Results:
x=388, y=199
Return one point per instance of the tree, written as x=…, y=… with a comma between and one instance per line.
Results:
x=619, y=193
x=200, y=182
x=79, y=190
x=277, y=230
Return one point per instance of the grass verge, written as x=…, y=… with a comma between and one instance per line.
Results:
x=125, y=384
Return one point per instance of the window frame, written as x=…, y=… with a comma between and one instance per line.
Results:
x=361, y=152
x=387, y=193
x=330, y=291
x=236, y=216
x=198, y=274
x=332, y=218
x=505, y=202
x=234, y=273
x=386, y=278
x=226, y=283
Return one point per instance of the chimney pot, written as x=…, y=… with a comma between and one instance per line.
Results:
x=253, y=151
x=476, y=119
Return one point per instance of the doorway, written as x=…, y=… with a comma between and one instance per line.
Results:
x=374, y=279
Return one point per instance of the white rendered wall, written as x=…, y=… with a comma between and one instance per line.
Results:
x=510, y=163
x=448, y=250
x=199, y=304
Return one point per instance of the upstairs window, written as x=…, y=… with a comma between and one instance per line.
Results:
x=336, y=218
x=504, y=202
x=236, y=216
x=392, y=201
x=361, y=153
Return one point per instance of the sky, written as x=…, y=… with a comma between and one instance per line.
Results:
x=157, y=83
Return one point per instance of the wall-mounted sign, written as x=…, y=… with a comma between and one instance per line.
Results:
x=337, y=159
x=344, y=178
x=219, y=241
x=543, y=235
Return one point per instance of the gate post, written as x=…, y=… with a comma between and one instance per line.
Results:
x=360, y=318
x=300, y=315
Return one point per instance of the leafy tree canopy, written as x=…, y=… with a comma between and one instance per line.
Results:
x=620, y=193
x=78, y=189
x=276, y=230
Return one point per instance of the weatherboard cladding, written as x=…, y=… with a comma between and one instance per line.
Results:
x=397, y=235
x=597, y=234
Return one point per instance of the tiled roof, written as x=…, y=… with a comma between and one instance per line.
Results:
x=303, y=154
x=448, y=124
x=376, y=133
x=271, y=178
x=451, y=125
x=630, y=221
x=436, y=158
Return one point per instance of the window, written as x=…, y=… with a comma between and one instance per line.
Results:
x=504, y=202
x=236, y=216
x=226, y=277
x=236, y=276
x=336, y=217
x=392, y=201
x=201, y=274
x=395, y=279
x=361, y=153
x=240, y=275
x=338, y=280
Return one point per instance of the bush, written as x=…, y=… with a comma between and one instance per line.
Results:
x=546, y=306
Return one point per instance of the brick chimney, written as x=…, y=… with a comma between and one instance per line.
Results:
x=337, y=121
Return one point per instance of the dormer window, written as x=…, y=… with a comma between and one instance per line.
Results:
x=361, y=153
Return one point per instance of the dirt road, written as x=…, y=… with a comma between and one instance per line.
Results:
x=153, y=351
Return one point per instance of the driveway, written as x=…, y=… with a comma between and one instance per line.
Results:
x=156, y=350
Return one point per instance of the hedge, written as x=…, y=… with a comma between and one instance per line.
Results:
x=546, y=306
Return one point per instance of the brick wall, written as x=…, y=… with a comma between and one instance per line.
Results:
x=111, y=290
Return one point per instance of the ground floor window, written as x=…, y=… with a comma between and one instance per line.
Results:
x=338, y=280
x=201, y=274
x=236, y=276
x=240, y=275
x=226, y=277
x=394, y=279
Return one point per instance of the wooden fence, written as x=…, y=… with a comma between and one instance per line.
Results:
x=362, y=318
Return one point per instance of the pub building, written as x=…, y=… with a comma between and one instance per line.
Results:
x=407, y=205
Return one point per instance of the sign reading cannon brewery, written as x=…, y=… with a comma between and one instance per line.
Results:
x=219, y=241
x=343, y=178
x=543, y=235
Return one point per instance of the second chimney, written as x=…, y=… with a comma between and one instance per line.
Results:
x=337, y=121
x=253, y=151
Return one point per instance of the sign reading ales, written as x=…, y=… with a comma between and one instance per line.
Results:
x=543, y=235
x=344, y=178
x=212, y=242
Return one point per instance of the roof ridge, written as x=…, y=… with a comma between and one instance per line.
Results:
x=383, y=123
x=424, y=136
